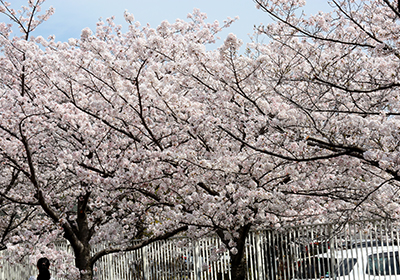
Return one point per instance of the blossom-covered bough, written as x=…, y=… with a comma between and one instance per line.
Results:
x=13, y=215
x=337, y=74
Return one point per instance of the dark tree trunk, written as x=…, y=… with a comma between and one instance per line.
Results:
x=79, y=237
x=83, y=259
x=238, y=267
x=238, y=261
x=84, y=264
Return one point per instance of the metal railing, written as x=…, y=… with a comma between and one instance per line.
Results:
x=350, y=251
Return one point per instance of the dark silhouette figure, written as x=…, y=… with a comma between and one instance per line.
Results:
x=43, y=265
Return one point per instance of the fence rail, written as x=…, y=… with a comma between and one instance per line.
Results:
x=309, y=252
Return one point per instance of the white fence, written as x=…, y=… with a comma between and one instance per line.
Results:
x=351, y=251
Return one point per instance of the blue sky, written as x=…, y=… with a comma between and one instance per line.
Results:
x=71, y=16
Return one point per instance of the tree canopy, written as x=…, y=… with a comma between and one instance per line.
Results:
x=145, y=134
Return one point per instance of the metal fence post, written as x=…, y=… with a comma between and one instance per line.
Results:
x=146, y=274
x=332, y=249
x=197, y=265
x=260, y=263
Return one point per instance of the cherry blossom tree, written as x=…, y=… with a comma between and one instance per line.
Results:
x=293, y=108
x=93, y=173
x=249, y=185
x=331, y=99
x=149, y=92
